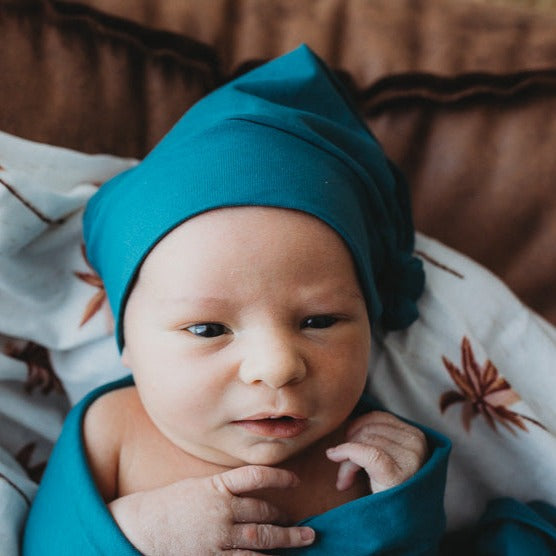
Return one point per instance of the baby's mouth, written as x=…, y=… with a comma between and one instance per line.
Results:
x=274, y=426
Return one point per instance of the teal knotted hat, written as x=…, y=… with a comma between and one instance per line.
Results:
x=282, y=135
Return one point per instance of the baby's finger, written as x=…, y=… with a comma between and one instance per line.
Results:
x=393, y=440
x=253, y=536
x=253, y=510
x=346, y=474
x=253, y=477
x=381, y=467
x=237, y=552
x=379, y=419
x=241, y=552
x=397, y=432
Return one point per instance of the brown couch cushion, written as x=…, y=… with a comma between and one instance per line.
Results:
x=85, y=81
x=372, y=38
x=462, y=95
x=482, y=169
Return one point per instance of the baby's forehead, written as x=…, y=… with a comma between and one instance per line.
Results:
x=252, y=256
x=237, y=228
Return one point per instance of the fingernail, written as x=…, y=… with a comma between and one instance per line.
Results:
x=307, y=535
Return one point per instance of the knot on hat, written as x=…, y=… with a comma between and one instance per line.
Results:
x=399, y=288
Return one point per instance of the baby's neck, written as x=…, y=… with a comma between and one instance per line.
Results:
x=150, y=460
x=317, y=491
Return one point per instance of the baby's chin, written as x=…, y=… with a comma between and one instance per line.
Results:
x=282, y=452
x=270, y=455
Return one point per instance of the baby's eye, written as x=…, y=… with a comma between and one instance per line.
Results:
x=208, y=329
x=319, y=321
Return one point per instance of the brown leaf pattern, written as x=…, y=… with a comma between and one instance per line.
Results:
x=16, y=488
x=482, y=391
x=96, y=303
x=25, y=202
x=40, y=372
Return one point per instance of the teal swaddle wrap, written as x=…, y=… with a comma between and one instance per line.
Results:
x=283, y=135
x=69, y=517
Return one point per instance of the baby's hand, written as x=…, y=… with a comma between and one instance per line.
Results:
x=209, y=515
x=387, y=448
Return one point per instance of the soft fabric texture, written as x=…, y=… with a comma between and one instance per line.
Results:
x=283, y=135
x=69, y=347
x=69, y=516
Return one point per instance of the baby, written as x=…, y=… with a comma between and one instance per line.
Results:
x=247, y=260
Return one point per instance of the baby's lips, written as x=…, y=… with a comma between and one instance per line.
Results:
x=274, y=426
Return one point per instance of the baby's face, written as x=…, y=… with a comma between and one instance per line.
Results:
x=247, y=334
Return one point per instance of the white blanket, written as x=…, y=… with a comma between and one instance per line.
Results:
x=478, y=365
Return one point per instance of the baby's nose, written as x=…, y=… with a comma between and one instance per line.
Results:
x=274, y=360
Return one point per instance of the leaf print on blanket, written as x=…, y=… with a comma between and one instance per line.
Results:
x=25, y=202
x=99, y=299
x=40, y=372
x=12, y=485
x=482, y=391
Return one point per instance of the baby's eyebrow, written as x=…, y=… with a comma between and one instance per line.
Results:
x=352, y=293
x=204, y=300
x=327, y=292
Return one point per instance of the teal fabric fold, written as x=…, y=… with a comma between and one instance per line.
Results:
x=69, y=517
x=512, y=528
x=283, y=135
x=405, y=520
